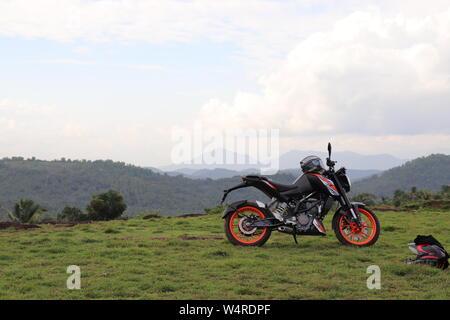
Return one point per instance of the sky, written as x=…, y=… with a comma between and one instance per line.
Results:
x=111, y=79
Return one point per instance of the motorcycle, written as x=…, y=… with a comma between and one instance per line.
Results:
x=299, y=208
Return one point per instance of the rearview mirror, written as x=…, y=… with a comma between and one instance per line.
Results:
x=329, y=150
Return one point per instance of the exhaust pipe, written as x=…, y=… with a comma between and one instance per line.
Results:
x=286, y=230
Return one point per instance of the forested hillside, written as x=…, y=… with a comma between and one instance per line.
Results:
x=55, y=184
x=429, y=173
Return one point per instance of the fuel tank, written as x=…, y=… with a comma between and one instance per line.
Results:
x=322, y=184
x=303, y=187
x=310, y=182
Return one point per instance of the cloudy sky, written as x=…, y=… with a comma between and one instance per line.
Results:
x=109, y=79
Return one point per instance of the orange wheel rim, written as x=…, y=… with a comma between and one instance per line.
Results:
x=238, y=229
x=358, y=235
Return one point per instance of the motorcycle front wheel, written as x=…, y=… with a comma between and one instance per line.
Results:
x=239, y=233
x=349, y=233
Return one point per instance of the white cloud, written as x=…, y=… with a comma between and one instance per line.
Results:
x=10, y=107
x=260, y=27
x=378, y=79
x=372, y=74
x=140, y=66
x=402, y=146
x=65, y=61
x=50, y=132
x=85, y=62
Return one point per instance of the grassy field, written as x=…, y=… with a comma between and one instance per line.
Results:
x=189, y=258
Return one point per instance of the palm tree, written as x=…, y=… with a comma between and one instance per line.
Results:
x=25, y=211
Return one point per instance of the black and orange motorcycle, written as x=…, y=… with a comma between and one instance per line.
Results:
x=299, y=208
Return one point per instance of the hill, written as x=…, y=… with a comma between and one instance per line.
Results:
x=215, y=174
x=291, y=159
x=189, y=258
x=55, y=184
x=350, y=160
x=219, y=173
x=429, y=172
x=354, y=175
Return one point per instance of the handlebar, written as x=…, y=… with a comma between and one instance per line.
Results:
x=331, y=163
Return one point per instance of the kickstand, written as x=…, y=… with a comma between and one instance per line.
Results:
x=295, y=237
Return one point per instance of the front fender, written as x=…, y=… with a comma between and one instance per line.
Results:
x=355, y=205
x=244, y=203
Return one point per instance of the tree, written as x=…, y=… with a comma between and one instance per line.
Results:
x=445, y=189
x=106, y=206
x=400, y=197
x=25, y=211
x=72, y=214
x=425, y=195
x=413, y=195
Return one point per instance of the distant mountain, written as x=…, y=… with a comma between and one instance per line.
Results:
x=225, y=173
x=425, y=173
x=214, y=174
x=291, y=159
x=350, y=160
x=155, y=169
x=185, y=172
x=226, y=159
x=354, y=175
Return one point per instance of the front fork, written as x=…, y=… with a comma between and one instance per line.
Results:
x=349, y=207
x=355, y=215
x=345, y=202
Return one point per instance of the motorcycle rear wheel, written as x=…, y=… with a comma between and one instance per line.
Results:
x=239, y=234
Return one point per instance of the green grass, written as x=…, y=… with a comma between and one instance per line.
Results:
x=148, y=259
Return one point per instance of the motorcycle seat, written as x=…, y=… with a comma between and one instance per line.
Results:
x=280, y=187
x=283, y=187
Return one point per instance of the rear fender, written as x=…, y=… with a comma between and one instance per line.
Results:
x=244, y=203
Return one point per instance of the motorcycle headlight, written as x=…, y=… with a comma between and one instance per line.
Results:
x=346, y=183
x=344, y=179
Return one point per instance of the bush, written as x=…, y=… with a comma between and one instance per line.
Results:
x=366, y=198
x=46, y=219
x=147, y=215
x=106, y=206
x=26, y=211
x=72, y=214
